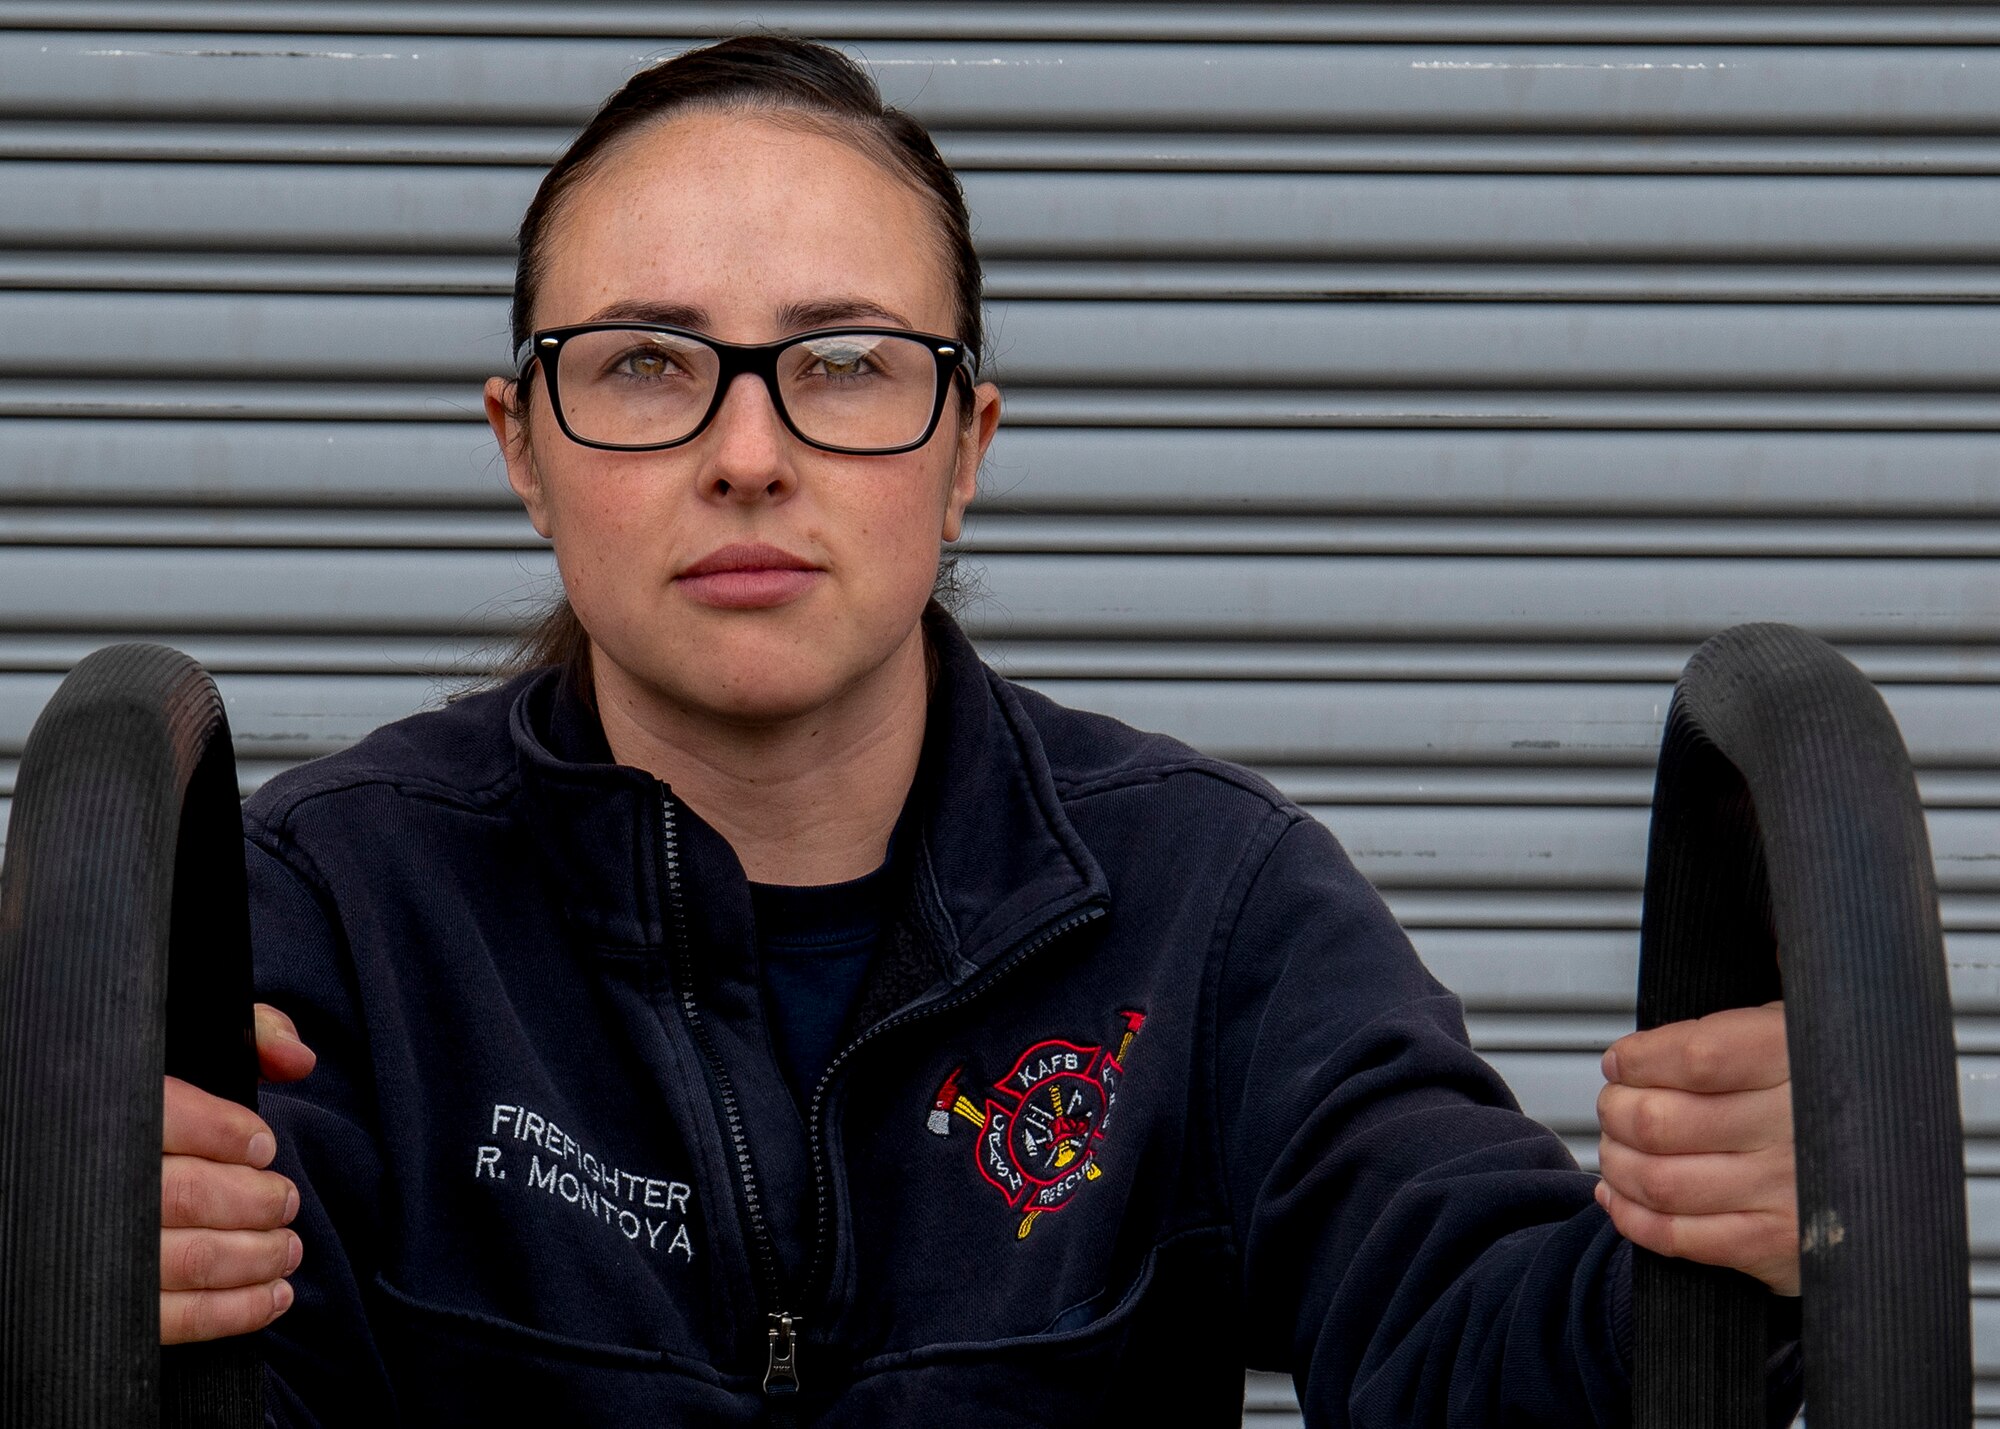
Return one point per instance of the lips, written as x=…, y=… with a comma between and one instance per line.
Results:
x=748, y=576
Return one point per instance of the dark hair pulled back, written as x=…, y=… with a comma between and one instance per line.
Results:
x=792, y=81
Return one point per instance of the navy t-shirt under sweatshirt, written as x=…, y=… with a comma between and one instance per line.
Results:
x=813, y=949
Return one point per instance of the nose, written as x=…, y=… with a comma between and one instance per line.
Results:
x=749, y=450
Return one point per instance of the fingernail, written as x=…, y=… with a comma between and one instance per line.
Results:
x=262, y=1149
x=1603, y=1194
x=1610, y=1064
x=281, y=1297
x=294, y=1255
x=291, y=1205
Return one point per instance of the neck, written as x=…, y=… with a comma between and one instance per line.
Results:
x=802, y=801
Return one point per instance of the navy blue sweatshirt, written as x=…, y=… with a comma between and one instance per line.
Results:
x=1143, y=1085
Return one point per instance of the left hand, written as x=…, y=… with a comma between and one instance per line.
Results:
x=1696, y=1151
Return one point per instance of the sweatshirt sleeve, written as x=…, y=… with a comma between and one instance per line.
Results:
x=323, y=1365
x=1414, y=1249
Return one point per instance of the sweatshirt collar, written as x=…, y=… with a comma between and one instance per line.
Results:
x=993, y=860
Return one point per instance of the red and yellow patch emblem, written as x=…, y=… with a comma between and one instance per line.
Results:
x=1039, y=1132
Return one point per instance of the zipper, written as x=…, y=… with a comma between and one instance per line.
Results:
x=781, y=1370
x=781, y=1374
x=821, y=1201
x=781, y=1367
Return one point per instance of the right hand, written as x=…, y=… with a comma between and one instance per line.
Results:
x=224, y=1246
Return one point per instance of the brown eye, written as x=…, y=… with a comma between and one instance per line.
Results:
x=645, y=363
x=842, y=364
x=837, y=361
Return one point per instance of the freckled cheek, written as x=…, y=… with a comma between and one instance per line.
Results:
x=897, y=529
x=615, y=568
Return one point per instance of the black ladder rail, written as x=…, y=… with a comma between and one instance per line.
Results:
x=124, y=954
x=1786, y=821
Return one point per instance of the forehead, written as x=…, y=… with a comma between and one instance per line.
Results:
x=742, y=216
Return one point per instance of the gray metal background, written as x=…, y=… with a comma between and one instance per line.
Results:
x=1535, y=343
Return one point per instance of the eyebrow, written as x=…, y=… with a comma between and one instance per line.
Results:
x=796, y=317
x=638, y=311
x=792, y=317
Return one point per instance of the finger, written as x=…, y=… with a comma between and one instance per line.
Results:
x=1764, y=1244
x=281, y=1056
x=1738, y=1050
x=195, y=1192
x=1669, y=1123
x=224, y=1260
x=198, y=1124
x=187, y=1315
x=1699, y=1185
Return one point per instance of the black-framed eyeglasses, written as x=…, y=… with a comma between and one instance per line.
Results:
x=634, y=387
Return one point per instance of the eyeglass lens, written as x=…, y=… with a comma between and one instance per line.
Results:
x=633, y=387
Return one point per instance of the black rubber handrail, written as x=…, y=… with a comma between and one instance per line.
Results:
x=1786, y=824
x=124, y=954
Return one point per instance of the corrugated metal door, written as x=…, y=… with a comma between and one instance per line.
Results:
x=1395, y=395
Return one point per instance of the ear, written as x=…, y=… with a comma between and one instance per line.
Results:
x=973, y=440
x=512, y=435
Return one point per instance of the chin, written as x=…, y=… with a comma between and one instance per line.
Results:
x=764, y=701
x=762, y=671
x=755, y=682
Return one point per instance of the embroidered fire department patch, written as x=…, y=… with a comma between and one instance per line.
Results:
x=1039, y=1132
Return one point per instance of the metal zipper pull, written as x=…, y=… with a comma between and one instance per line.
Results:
x=781, y=1371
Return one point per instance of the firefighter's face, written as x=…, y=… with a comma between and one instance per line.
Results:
x=744, y=575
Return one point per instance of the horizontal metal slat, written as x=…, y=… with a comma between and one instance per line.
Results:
x=357, y=337
x=1059, y=471
x=443, y=593
x=1452, y=785
x=991, y=533
x=1555, y=971
x=1272, y=281
x=1092, y=659
x=1542, y=728
x=1008, y=279
x=320, y=654
x=1563, y=785
x=1555, y=779
x=1442, y=344
x=1593, y=1032
x=1632, y=408
x=1525, y=849
x=1436, y=85
x=473, y=657
x=1236, y=218
x=242, y=398
x=128, y=271
x=268, y=207
x=1601, y=908
x=1559, y=1089
x=968, y=150
x=1195, y=345
x=1431, y=723
x=1245, y=217
x=1026, y=596
x=1188, y=408
x=1759, y=23
x=264, y=528
x=1421, y=598
x=232, y=464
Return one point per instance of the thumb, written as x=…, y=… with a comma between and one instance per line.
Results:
x=281, y=1056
